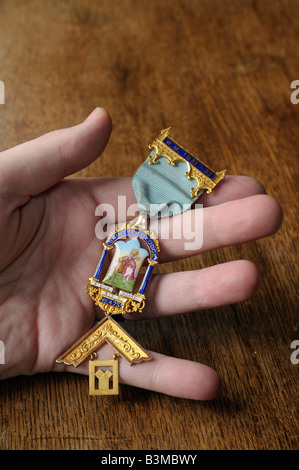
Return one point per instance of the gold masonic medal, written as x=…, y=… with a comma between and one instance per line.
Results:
x=118, y=287
x=103, y=375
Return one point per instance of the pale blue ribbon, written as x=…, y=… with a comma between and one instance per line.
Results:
x=162, y=189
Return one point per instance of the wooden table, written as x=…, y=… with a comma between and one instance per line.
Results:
x=219, y=73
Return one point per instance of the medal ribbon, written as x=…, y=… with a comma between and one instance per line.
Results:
x=171, y=184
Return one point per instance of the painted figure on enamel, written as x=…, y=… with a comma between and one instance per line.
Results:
x=116, y=287
x=126, y=263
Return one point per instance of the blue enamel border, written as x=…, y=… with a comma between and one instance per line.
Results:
x=128, y=232
x=133, y=232
x=189, y=158
x=112, y=302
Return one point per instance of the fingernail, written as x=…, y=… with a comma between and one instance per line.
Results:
x=94, y=113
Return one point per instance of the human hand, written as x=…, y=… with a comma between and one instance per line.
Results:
x=49, y=249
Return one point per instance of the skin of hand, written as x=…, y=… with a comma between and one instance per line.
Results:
x=48, y=250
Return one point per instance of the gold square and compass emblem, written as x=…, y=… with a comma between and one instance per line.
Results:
x=117, y=286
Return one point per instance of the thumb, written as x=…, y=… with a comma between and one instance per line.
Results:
x=35, y=166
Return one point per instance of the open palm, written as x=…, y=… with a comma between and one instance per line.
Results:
x=48, y=249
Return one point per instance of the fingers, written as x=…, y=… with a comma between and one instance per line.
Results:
x=229, y=223
x=181, y=292
x=171, y=376
x=232, y=188
x=35, y=166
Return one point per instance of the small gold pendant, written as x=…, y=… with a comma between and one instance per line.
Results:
x=103, y=377
x=106, y=331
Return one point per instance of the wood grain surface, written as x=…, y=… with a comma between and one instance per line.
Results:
x=219, y=73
